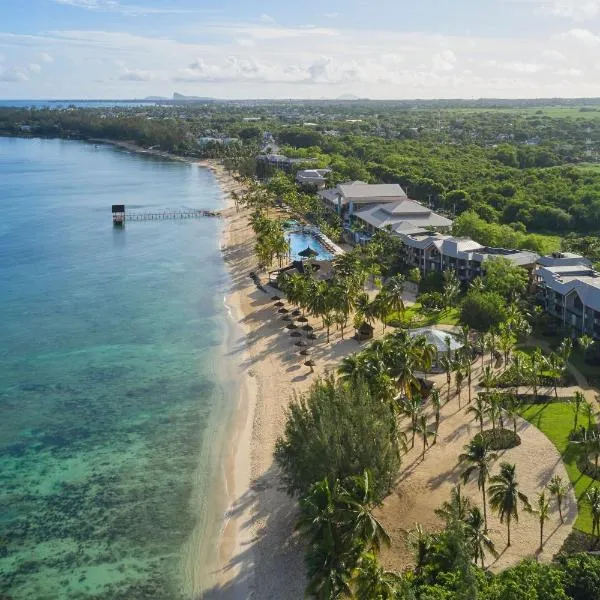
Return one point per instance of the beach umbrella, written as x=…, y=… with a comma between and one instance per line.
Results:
x=283, y=311
x=275, y=298
x=295, y=334
x=310, y=363
x=286, y=318
x=279, y=303
x=308, y=252
x=302, y=319
x=300, y=343
x=296, y=313
x=311, y=336
x=292, y=326
x=305, y=352
x=307, y=328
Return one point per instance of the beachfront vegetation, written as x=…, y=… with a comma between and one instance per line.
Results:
x=338, y=431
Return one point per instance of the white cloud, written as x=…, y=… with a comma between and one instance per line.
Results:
x=137, y=75
x=574, y=10
x=13, y=75
x=267, y=19
x=45, y=57
x=444, y=60
x=554, y=55
x=517, y=66
x=583, y=36
x=35, y=68
x=125, y=9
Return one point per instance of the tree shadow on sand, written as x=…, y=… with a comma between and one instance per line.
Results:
x=269, y=565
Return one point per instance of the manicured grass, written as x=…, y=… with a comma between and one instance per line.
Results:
x=416, y=315
x=555, y=420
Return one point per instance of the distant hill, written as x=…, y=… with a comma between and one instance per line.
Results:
x=347, y=97
x=181, y=98
x=155, y=98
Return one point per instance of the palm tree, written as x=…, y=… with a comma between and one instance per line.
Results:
x=411, y=408
x=459, y=377
x=488, y=379
x=506, y=341
x=518, y=367
x=556, y=367
x=479, y=458
x=328, y=321
x=593, y=498
x=578, y=400
x=565, y=349
x=559, y=490
x=446, y=363
x=421, y=544
x=395, y=289
x=536, y=360
x=358, y=498
x=512, y=411
x=588, y=411
x=425, y=432
x=370, y=580
x=436, y=402
x=505, y=495
x=477, y=536
x=543, y=514
x=489, y=341
x=584, y=342
x=478, y=410
x=455, y=509
x=493, y=409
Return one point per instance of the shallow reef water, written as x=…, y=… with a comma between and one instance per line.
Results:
x=109, y=385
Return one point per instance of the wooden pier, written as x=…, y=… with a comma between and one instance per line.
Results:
x=120, y=216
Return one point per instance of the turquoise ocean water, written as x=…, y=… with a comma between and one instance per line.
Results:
x=110, y=393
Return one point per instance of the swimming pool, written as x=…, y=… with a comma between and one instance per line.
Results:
x=299, y=240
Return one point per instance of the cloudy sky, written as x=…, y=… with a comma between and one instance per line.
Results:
x=306, y=49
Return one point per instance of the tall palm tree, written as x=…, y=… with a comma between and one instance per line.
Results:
x=436, y=402
x=425, y=431
x=446, y=363
x=506, y=342
x=421, y=544
x=492, y=409
x=478, y=538
x=459, y=377
x=556, y=368
x=536, y=361
x=357, y=498
x=543, y=514
x=479, y=458
x=370, y=580
x=565, y=349
x=455, y=509
x=593, y=498
x=489, y=341
x=488, y=379
x=559, y=490
x=578, y=401
x=395, y=290
x=412, y=408
x=478, y=410
x=505, y=495
x=584, y=342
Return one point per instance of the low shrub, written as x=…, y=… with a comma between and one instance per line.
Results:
x=501, y=439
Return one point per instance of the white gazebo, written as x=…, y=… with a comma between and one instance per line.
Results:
x=439, y=338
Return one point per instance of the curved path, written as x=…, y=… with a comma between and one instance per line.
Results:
x=425, y=484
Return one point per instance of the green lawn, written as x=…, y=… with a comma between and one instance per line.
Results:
x=555, y=420
x=419, y=317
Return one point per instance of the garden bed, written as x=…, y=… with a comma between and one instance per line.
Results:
x=500, y=439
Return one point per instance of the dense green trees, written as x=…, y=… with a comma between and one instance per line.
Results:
x=483, y=310
x=336, y=431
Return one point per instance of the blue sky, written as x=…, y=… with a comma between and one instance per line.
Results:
x=308, y=49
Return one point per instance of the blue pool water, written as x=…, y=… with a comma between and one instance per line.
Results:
x=300, y=240
x=111, y=394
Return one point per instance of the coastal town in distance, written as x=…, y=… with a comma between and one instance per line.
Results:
x=299, y=303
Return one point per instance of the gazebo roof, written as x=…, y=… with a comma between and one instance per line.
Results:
x=308, y=252
x=438, y=338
